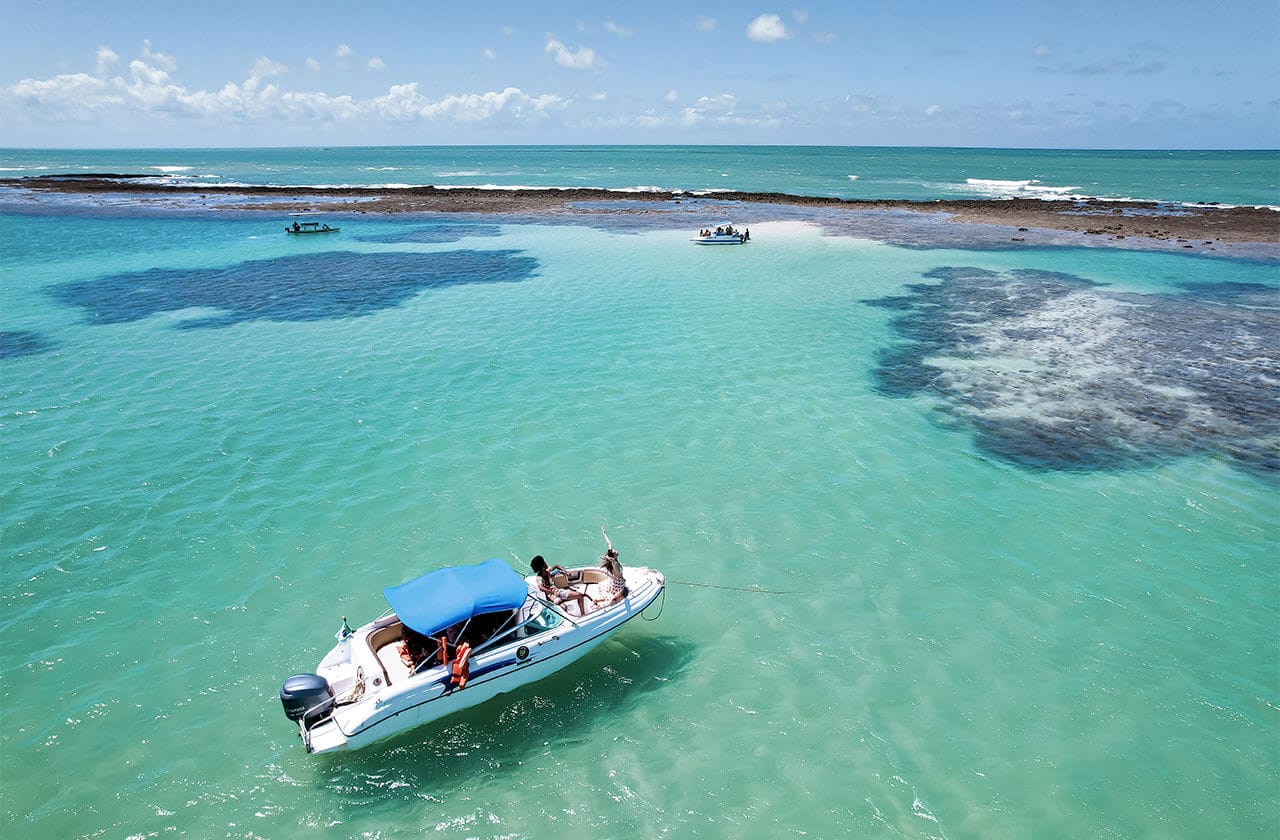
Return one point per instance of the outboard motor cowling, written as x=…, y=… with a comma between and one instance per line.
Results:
x=306, y=698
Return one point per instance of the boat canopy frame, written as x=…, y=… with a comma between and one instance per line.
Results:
x=438, y=600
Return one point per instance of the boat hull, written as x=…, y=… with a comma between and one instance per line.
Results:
x=428, y=696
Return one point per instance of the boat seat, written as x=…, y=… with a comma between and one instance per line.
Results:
x=577, y=576
x=384, y=643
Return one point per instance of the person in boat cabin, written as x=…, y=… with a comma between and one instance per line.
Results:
x=617, y=587
x=554, y=593
x=414, y=648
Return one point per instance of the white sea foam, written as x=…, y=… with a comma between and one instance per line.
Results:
x=172, y=168
x=1030, y=188
x=853, y=177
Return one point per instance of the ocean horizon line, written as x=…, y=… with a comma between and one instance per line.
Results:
x=357, y=146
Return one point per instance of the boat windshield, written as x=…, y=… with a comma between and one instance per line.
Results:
x=538, y=620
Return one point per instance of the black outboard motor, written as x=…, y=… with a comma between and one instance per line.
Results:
x=306, y=696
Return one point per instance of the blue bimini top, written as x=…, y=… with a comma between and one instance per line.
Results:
x=447, y=596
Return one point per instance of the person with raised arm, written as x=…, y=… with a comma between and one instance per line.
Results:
x=616, y=589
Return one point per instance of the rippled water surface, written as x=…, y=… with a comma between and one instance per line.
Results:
x=1011, y=520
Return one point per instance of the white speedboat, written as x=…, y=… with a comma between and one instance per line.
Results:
x=488, y=631
x=723, y=235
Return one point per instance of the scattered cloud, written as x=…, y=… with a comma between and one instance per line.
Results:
x=1044, y=51
x=265, y=68
x=584, y=59
x=767, y=28
x=313, y=66
x=702, y=23
x=403, y=102
x=670, y=96
x=599, y=96
x=801, y=16
x=933, y=110
x=107, y=59
x=167, y=63
x=146, y=95
x=376, y=63
x=610, y=26
x=343, y=53
x=489, y=54
x=1114, y=67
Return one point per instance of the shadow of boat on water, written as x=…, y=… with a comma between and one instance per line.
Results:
x=577, y=704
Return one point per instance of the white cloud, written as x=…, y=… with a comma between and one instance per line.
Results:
x=265, y=68
x=1044, y=51
x=767, y=28
x=508, y=30
x=801, y=16
x=147, y=96
x=107, y=59
x=670, y=96
x=584, y=59
x=721, y=102
x=343, y=51
x=313, y=66
x=933, y=110
x=702, y=23
x=599, y=96
x=376, y=63
x=489, y=54
x=404, y=102
x=165, y=62
x=610, y=26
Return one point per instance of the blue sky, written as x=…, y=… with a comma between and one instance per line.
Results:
x=1139, y=74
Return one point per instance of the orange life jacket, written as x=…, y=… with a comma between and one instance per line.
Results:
x=462, y=666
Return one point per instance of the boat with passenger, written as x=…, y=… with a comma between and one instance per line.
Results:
x=301, y=228
x=452, y=639
x=723, y=235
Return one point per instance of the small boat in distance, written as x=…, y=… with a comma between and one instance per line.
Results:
x=452, y=639
x=723, y=235
x=299, y=228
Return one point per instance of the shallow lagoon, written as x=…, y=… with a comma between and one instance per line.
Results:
x=204, y=470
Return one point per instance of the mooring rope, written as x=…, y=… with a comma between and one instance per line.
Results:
x=731, y=588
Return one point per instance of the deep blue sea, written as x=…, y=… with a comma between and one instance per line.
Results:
x=1226, y=177
x=963, y=541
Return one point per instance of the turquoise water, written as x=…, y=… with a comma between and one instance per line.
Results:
x=921, y=174
x=218, y=440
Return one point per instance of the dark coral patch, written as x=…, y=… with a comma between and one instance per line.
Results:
x=19, y=343
x=434, y=234
x=302, y=288
x=1051, y=371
